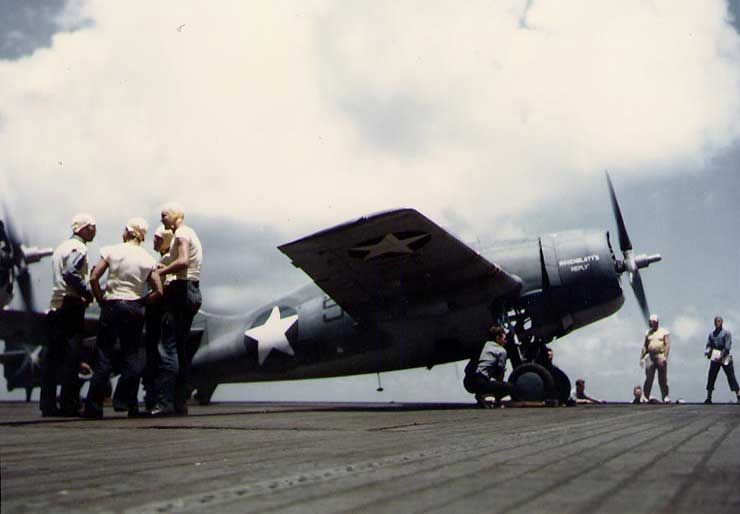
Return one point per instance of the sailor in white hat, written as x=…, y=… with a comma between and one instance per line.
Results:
x=654, y=356
x=130, y=270
x=70, y=296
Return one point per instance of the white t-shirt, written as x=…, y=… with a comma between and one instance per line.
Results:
x=655, y=341
x=195, y=253
x=129, y=267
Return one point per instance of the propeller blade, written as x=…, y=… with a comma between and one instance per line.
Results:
x=12, y=231
x=631, y=263
x=17, y=256
x=624, y=238
x=639, y=290
x=24, y=284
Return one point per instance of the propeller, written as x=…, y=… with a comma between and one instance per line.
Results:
x=23, y=366
x=16, y=257
x=632, y=263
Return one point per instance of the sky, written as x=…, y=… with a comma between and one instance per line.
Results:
x=272, y=120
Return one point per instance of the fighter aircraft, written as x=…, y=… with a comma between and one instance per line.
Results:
x=20, y=360
x=394, y=291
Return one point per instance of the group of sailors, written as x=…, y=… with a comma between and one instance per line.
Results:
x=484, y=373
x=654, y=357
x=139, y=292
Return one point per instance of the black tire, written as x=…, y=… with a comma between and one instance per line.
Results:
x=532, y=382
x=562, y=384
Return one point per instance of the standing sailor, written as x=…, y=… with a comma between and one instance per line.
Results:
x=182, y=300
x=657, y=347
x=717, y=351
x=153, y=320
x=130, y=268
x=70, y=297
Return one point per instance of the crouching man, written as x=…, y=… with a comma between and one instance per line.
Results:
x=484, y=374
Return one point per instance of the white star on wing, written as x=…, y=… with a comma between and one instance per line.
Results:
x=389, y=244
x=271, y=335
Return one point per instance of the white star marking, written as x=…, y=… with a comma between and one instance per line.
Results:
x=271, y=335
x=389, y=244
x=35, y=356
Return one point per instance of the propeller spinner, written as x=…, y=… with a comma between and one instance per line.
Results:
x=632, y=263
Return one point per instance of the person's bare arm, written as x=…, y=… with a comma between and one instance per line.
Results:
x=643, y=352
x=667, y=343
x=95, y=276
x=181, y=263
x=155, y=286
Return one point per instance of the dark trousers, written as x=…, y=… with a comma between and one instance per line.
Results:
x=480, y=384
x=729, y=370
x=182, y=300
x=152, y=334
x=120, y=321
x=60, y=360
x=661, y=365
x=490, y=386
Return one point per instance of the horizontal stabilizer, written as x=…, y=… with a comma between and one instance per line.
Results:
x=32, y=327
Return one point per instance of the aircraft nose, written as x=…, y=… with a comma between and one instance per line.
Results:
x=643, y=261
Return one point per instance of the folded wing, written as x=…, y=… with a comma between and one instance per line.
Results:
x=378, y=266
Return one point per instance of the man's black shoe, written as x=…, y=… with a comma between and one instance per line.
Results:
x=53, y=413
x=160, y=412
x=70, y=414
x=92, y=414
x=708, y=401
x=134, y=412
x=119, y=406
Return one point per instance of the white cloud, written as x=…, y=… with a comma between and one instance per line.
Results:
x=688, y=327
x=296, y=115
x=300, y=114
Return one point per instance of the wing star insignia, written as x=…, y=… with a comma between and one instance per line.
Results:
x=271, y=335
x=393, y=244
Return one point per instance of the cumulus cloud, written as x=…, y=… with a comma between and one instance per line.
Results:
x=288, y=116
x=688, y=327
x=300, y=114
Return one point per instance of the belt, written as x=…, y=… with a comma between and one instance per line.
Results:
x=196, y=283
x=139, y=301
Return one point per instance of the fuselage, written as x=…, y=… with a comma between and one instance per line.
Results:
x=568, y=281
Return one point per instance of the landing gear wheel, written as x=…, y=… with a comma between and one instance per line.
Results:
x=562, y=384
x=532, y=383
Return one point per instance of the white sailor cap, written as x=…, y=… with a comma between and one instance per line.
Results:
x=138, y=227
x=164, y=234
x=653, y=317
x=82, y=220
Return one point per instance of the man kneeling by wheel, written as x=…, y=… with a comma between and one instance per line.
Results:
x=484, y=374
